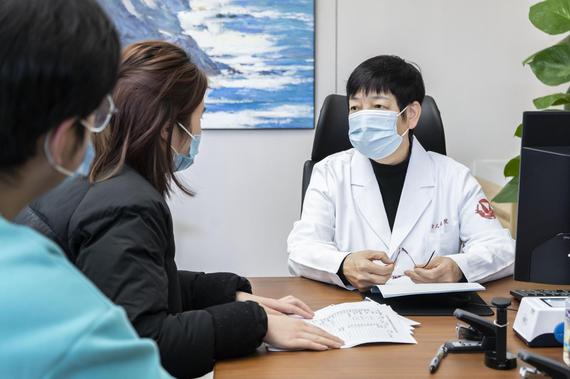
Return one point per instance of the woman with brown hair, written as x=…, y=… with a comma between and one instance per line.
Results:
x=116, y=227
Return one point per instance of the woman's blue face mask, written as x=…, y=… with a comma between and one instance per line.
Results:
x=183, y=161
x=374, y=132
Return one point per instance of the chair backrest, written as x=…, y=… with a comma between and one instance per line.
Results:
x=331, y=134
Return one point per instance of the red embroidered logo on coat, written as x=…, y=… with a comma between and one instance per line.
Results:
x=485, y=210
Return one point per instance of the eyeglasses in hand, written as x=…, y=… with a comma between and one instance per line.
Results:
x=403, y=250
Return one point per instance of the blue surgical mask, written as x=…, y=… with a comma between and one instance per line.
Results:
x=183, y=161
x=85, y=166
x=82, y=170
x=374, y=133
x=101, y=120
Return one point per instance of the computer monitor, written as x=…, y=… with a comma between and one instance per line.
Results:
x=543, y=224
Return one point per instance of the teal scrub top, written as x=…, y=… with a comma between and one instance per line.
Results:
x=54, y=323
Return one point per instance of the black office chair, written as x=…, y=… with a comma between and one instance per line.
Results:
x=331, y=134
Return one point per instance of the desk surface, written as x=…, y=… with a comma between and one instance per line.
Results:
x=373, y=361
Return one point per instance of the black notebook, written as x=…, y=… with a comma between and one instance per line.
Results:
x=443, y=304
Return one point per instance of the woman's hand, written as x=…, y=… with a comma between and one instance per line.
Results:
x=293, y=334
x=288, y=305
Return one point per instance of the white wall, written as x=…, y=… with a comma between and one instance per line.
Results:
x=470, y=53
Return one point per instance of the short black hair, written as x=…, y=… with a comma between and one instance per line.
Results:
x=388, y=74
x=58, y=60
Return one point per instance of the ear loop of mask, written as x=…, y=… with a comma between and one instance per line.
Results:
x=187, y=132
x=402, y=111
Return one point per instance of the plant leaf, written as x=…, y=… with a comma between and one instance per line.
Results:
x=512, y=167
x=509, y=193
x=551, y=100
x=551, y=16
x=552, y=65
x=518, y=131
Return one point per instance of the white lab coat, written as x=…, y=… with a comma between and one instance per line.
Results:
x=442, y=208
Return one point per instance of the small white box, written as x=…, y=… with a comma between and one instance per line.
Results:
x=536, y=319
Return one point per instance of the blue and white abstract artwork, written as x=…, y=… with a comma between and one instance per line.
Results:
x=258, y=54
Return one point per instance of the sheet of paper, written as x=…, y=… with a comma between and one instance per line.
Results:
x=363, y=322
x=405, y=287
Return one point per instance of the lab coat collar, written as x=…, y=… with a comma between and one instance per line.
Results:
x=368, y=197
x=417, y=193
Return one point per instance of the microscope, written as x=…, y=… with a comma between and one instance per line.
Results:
x=482, y=335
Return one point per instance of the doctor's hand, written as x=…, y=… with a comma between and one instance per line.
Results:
x=289, y=305
x=439, y=270
x=360, y=270
x=293, y=334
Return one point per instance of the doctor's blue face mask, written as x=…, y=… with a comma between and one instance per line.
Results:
x=183, y=161
x=374, y=132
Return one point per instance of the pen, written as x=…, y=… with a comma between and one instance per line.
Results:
x=434, y=364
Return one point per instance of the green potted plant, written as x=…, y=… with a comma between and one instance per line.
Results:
x=552, y=67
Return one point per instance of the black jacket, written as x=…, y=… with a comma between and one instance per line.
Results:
x=119, y=234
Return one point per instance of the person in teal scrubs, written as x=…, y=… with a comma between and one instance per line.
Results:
x=58, y=62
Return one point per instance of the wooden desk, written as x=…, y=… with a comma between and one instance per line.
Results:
x=373, y=361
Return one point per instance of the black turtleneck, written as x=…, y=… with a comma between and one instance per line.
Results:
x=391, y=182
x=391, y=179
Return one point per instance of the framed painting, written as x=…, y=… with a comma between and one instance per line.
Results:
x=258, y=54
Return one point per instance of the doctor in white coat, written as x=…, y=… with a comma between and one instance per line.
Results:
x=388, y=208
